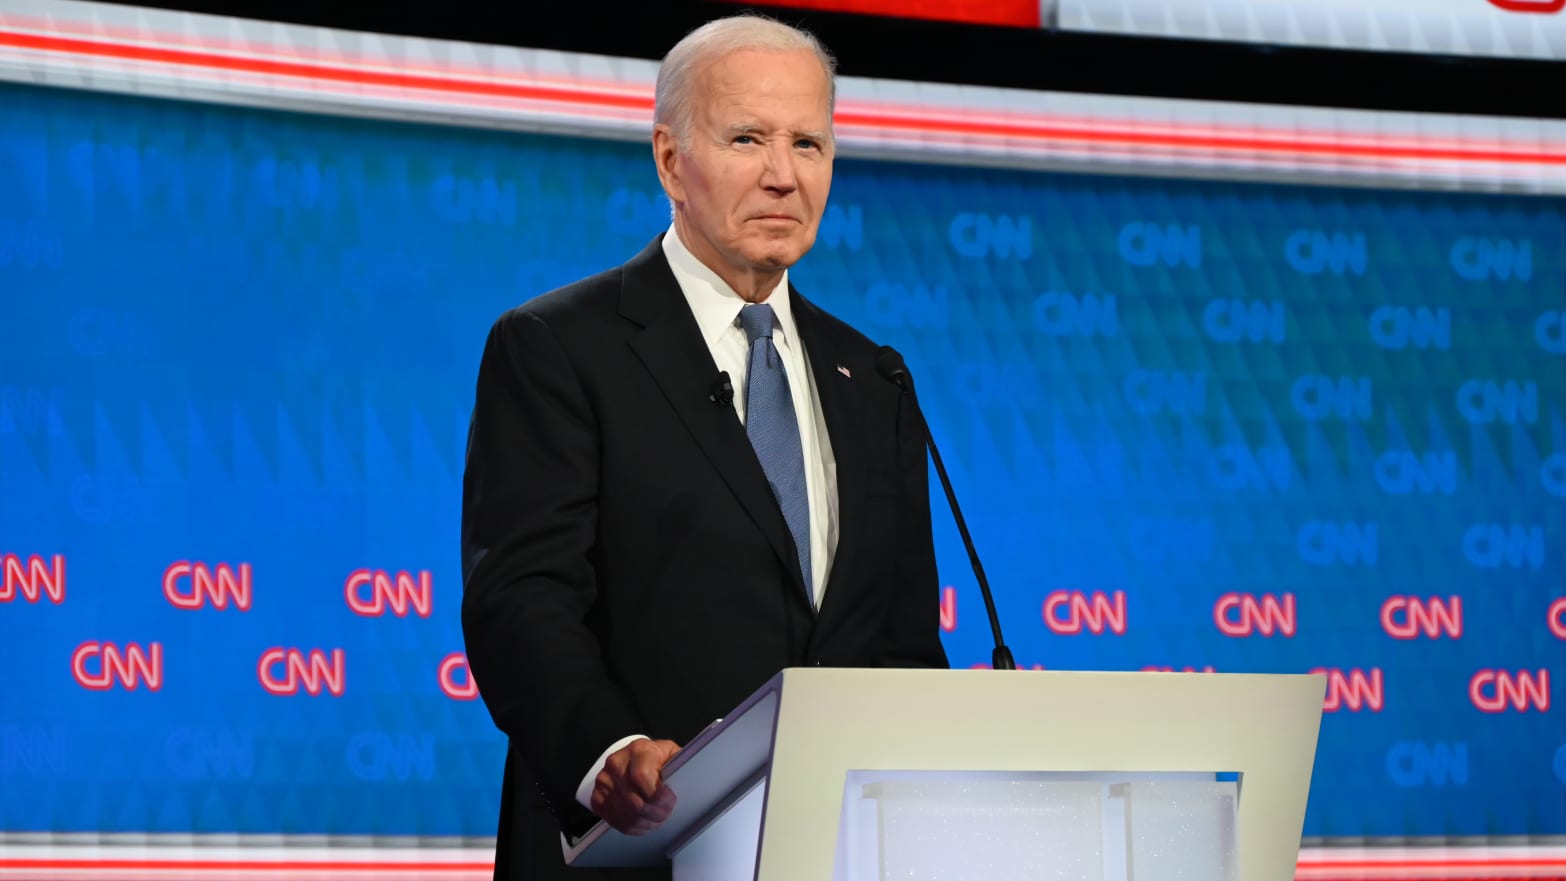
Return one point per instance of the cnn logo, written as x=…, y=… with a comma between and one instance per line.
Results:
x=1496, y=691
x=33, y=578
x=1409, y=617
x=99, y=666
x=188, y=585
x=1241, y=614
x=456, y=679
x=1352, y=690
x=288, y=671
x=372, y=592
x=1071, y=612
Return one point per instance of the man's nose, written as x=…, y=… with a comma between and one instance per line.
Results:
x=779, y=171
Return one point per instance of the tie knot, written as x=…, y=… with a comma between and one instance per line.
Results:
x=758, y=319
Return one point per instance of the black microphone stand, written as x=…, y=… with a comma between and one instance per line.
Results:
x=890, y=365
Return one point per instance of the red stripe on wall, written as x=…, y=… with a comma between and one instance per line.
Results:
x=320, y=72
x=1038, y=129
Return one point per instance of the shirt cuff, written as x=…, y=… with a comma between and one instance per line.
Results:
x=584, y=790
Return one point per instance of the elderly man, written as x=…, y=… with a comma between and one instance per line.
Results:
x=682, y=475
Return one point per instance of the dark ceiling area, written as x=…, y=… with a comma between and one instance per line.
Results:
x=978, y=55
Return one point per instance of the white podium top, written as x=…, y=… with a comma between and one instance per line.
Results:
x=807, y=730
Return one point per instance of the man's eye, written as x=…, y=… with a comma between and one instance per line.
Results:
x=744, y=139
x=806, y=144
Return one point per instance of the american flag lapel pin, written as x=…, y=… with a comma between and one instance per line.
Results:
x=844, y=370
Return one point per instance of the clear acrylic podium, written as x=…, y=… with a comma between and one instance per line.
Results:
x=951, y=775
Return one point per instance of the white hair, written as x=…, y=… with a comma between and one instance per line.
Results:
x=712, y=41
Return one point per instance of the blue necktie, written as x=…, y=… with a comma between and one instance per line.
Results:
x=773, y=430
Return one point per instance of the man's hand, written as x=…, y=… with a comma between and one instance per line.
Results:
x=629, y=792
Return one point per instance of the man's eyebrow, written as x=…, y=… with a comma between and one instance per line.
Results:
x=745, y=128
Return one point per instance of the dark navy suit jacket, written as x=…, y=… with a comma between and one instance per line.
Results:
x=625, y=566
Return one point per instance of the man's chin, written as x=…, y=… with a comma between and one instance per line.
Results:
x=777, y=258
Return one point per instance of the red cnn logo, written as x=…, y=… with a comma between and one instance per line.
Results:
x=32, y=579
x=131, y=667
x=948, y=609
x=1544, y=6
x=312, y=672
x=1557, y=616
x=1516, y=692
x=218, y=586
x=1430, y=617
x=449, y=666
x=1265, y=617
x=385, y=592
x=1095, y=614
x=1352, y=691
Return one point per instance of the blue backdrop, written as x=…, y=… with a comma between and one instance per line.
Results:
x=1240, y=426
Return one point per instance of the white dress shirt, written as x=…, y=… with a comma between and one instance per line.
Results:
x=717, y=309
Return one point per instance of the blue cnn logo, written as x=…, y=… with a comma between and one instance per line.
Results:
x=1235, y=321
x=29, y=245
x=1085, y=315
x=377, y=756
x=303, y=186
x=842, y=226
x=33, y=751
x=1413, y=764
x=1314, y=251
x=31, y=411
x=1346, y=398
x=890, y=304
x=216, y=754
x=101, y=498
x=980, y=235
x=1497, y=545
x=1158, y=391
x=1148, y=244
x=1550, y=331
x=1267, y=469
x=1553, y=475
x=463, y=200
x=95, y=332
x=1398, y=327
x=1322, y=543
x=1401, y=472
x=1478, y=259
x=1482, y=402
x=636, y=213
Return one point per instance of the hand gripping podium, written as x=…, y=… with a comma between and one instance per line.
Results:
x=952, y=775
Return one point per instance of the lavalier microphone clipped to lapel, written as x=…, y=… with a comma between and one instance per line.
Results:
x=721, y=392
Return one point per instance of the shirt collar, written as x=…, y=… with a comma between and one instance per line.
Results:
x=715, y=304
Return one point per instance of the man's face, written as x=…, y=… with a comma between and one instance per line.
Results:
x=752, y=185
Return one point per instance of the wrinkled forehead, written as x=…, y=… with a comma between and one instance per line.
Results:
x=766, y=82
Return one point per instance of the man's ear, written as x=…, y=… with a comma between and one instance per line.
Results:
x=666, y=156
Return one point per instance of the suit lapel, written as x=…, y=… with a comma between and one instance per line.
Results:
x=671, y=347
x=844, y=416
